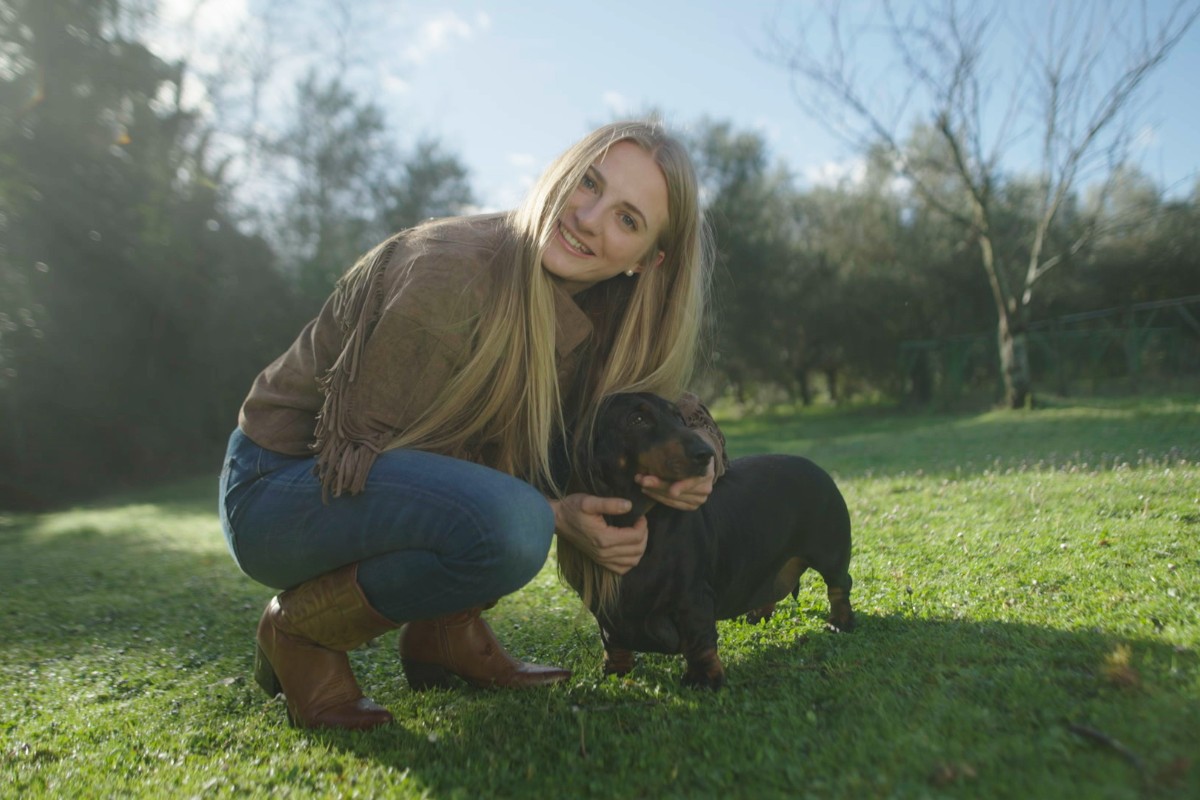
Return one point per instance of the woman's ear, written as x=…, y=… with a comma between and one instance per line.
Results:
x=651, y=262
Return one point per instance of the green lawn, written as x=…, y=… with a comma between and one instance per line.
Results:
x=1028, y=595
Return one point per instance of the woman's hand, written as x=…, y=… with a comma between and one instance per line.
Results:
x=580, y=518
x=685, y=495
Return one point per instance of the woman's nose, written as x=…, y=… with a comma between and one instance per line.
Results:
x=586, y=214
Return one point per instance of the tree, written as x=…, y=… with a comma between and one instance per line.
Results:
x=1073, y=87
x=760, y=337
x=433, y=183
x=347, y=185
x=133, y=303
x=333, y=157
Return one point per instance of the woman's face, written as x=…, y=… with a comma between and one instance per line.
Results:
x=611, y=221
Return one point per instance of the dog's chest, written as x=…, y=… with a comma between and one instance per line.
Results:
x=661, y=597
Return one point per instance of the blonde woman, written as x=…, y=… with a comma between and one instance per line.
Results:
x=403, y=463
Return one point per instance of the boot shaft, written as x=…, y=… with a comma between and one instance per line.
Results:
x=330, y=610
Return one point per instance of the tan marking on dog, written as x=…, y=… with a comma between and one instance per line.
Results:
x=787, y=577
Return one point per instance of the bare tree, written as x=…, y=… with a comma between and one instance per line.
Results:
x=989, y=83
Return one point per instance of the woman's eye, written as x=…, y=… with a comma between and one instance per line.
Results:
x=629, y=222
x=588, y=183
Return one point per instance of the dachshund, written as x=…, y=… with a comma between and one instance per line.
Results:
x=769, y=518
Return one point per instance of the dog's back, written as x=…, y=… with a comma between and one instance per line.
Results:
x=772, y=511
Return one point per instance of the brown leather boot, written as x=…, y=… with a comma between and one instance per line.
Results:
x=303, y=637
x=462, y=644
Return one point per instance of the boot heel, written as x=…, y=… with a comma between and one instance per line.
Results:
x=422, y=676
x=264, y=673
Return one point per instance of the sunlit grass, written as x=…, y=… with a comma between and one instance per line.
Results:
x=1028, y=590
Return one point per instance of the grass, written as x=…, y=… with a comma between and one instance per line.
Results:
x=1028, y=593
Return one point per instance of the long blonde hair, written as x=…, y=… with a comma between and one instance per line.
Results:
x=650, y=339
x=647, y=338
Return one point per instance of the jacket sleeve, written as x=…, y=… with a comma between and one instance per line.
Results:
x=699, y=419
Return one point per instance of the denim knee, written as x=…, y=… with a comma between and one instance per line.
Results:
x=522, y=528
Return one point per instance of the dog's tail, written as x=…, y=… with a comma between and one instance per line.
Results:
x=595, y=585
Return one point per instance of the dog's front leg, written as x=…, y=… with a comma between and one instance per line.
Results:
x=704, y=670
x=698, y=631
x=617, y=660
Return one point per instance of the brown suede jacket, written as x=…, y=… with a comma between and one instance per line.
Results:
x=378, y=354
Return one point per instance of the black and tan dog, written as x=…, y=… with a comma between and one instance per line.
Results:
x=769, y=519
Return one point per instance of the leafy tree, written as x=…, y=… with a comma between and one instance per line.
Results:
x=1082, y=73
x=433, y=183
x=131, y=292
x=346, y=184
x=747, y=204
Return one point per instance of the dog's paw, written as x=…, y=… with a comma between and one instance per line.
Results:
x=703, y=681
x=760, y=614
x=705, y=672
x=618, y=662
x=843, y=622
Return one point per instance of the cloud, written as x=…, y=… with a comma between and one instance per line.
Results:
x=522, y=160
x=836, y=173
x=439, y=32
x=393, y=83
x=1145, y=138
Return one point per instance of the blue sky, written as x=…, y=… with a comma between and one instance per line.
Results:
x=508, y=85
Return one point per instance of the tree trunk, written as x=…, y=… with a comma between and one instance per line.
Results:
x=1011, y=328
x=805, y=387
x=1014, y=363
x=831, y=383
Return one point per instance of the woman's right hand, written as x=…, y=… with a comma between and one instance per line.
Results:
x=580, y=518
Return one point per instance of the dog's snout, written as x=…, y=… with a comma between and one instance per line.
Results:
x=699, y=452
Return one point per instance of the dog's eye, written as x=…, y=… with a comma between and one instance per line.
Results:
x=638, y=419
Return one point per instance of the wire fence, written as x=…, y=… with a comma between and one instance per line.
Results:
x=1137, y=344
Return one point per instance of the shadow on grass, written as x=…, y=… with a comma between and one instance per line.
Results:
x=883, y=709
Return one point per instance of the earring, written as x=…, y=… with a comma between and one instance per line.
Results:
x=629, y=272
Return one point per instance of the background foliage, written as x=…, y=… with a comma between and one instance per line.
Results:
x=142, y=285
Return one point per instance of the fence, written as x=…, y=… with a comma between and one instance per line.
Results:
x=1138, y=342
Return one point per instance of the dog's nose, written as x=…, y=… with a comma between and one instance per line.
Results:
x=699, y=452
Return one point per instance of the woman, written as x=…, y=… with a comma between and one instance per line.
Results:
x=402, y=464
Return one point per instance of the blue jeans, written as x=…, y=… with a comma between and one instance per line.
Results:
x=431, y=534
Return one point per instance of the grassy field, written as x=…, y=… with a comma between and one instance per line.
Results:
x=1028, y=594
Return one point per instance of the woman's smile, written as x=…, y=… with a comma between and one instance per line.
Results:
x=573, y=242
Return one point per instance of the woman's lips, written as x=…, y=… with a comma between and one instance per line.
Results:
x=572, y=243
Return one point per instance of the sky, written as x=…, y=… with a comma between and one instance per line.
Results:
x=506, y=86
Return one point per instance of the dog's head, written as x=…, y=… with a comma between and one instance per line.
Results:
x=642, y=434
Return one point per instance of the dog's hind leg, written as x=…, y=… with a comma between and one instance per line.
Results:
x=841, y=615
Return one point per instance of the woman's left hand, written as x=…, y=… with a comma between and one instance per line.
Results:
x=685, y=495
